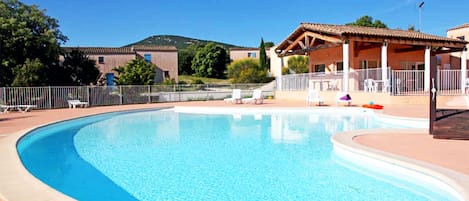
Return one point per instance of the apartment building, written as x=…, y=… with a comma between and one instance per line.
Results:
x=165, y=59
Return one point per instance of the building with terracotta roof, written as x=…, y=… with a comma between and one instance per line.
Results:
x=343, y=49
x=246, y=52
x=165, y=59
x=453, y=60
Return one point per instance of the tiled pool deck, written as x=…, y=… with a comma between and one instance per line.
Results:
x=448, y=154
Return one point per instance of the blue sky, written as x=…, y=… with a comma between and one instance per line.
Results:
x=239, y=22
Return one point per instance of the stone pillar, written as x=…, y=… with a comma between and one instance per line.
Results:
x=427, y=69
x=463, y=70
x=345, y=74
x=279, y=75
x=384, y=66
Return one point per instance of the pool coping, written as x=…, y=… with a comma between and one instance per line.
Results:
x=457, y=181
x=23, y=185
x=18, y=183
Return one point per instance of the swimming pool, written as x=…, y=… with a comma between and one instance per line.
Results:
x=230, y=154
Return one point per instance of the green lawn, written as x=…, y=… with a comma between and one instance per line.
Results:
x=190, y=79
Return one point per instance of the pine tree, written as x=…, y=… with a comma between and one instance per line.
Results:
x=263, y=62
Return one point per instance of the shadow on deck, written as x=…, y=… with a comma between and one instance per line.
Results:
x=451, y=124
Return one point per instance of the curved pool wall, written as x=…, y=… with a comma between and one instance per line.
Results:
x=63, y=155
x=60, y=131
x=382, y=164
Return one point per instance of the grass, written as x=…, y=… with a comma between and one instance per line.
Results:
x=190, y=79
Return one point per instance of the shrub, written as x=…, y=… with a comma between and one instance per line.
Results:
x=247, y=71
x=298, y=64
x=198, y=81
x=168, y=81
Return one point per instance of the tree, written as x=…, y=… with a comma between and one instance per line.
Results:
x=136, y=72
x=263, y=61
x=367, y=21
x=247, y=71
x=31, y=73
x=79, y=68
x=185, y=57
x=27, y=34
x=269, y=44
x=411, y=28
x=298, y=64
x=210, y=61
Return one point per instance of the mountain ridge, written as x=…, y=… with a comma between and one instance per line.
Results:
x=181, y=42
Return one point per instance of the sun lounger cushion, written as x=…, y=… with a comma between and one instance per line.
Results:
x=346, y=97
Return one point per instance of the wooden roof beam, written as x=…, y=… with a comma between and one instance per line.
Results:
x=318, y=47
x=323, y=37
x=410, y=49
x=294, y=43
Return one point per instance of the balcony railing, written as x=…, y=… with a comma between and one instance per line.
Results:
x=397, y=83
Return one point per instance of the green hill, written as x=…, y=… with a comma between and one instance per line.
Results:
x=179, y=41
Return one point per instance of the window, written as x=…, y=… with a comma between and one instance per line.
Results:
x=363, y=64
x=166, y=74
x=251, y=54
x=339, y=66
x=366, y=64
x=372, y=64
x=101, y=60
x=460, y=37
x=320, y=68
x=412, y=65
x=147, y=57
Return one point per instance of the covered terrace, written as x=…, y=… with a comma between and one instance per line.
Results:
x=353, y=58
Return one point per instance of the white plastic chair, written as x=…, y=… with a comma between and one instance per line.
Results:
x=466, y=87
x=332, y=85
x=385, y=86
x=370, y=85
x=313, y=97
x=398, y=85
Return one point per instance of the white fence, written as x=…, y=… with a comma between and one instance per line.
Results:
x=57, y=97
x=398, y=82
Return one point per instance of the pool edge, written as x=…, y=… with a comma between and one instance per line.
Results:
x=18, y=183
x=47, y=193
x=457, y=181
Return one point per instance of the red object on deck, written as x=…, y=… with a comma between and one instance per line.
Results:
x=374, y=106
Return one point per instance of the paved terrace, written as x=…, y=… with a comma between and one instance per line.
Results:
x=451, y=154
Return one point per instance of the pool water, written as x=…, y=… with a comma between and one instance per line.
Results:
x=169, y=155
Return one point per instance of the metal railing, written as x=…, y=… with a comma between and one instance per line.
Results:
x=57, y=97
x=407, y=82
x=398, y=82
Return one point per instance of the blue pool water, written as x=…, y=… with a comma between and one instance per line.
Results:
x=168, y=155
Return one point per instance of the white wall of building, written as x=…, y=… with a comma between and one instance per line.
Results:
x=276, y=63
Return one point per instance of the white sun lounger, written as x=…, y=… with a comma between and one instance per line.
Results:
x=25, y=108
x=20, y=108
x=7, y=108
x=235, y=96
x=74, y=103
x=256, y=97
